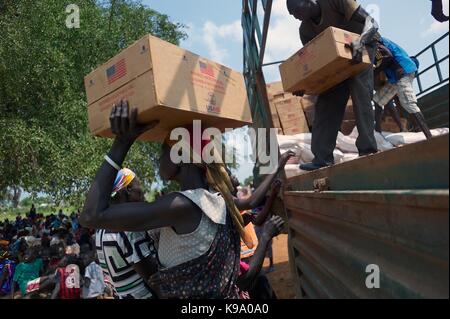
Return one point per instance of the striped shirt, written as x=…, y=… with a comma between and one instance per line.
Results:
x=69, y=282
x=117, y=252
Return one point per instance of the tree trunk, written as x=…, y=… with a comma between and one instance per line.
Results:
x=17, y=192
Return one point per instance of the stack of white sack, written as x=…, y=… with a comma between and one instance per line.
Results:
x=346, y=149
x=288, y=142
x=385, y=141
x=292, y=170
x=296, y=143
x=347, y=144
x=300, y=144
x=399, y=139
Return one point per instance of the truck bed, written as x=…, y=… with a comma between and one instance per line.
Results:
x=389, y=209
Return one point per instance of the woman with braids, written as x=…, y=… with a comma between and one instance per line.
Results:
x=200, y=226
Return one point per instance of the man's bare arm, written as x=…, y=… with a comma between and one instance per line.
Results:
x=437, y=11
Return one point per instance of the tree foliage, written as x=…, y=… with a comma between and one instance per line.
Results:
x=249, y=181
x=45, y=145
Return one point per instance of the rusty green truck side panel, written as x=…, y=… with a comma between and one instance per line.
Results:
x=390, y=210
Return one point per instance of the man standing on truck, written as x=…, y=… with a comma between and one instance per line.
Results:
x=437, y=11
x=316, y=16
x=400, y=70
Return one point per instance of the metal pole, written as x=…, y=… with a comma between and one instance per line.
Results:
x=419, y=83
x=438, y=67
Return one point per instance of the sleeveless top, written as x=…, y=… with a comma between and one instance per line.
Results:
x=175, y=249
x=211, y=275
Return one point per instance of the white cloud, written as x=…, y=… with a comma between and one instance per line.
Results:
x=283, y=39
x=437, y=27
x=191, y=35
x=215, y=38
x=239, y=142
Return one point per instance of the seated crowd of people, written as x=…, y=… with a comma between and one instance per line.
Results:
x=49, y=257
x=54, y=257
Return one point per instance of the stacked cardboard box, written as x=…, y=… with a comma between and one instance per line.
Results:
x=291, y=116
x=322, y=63
x=349, y=122
x=166, y=83
x=349, y=114
x=347, y=127
x=287, y=111
x=389, y=125
x=274, y=114
x=309, y=103
x=275, y=93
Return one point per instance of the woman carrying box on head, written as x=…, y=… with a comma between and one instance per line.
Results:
x=200, y=225
x=199, y=239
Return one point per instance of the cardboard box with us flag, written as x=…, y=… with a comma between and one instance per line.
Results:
x=322, y=63
x=166, y=83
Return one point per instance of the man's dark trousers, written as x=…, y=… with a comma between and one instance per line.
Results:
x=330, y=111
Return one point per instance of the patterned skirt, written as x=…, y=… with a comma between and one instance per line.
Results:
x=210, y=276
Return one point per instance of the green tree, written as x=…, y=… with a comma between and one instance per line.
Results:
x=45, y=145
x=249, y=181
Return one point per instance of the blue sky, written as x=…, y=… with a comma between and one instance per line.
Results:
x=214, y=27
x=214, y=30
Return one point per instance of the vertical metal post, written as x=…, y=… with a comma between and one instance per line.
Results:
x=436, y=62
x=255, y=38
x=419, y=82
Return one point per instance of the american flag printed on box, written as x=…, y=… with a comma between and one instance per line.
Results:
x=115, y=72
x=206, y=68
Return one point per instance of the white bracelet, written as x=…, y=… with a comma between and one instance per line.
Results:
x=112, y=163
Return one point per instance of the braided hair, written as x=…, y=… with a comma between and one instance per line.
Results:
x=218, y=179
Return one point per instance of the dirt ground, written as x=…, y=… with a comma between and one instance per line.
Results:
x=281, y=279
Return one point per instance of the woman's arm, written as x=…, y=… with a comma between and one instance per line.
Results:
x=146, y=268
x=258, y=195
x=172, y=210
x=264, y=214
x=272, y=228
x=98, y=213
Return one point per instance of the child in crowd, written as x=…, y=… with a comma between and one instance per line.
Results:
x=27, y=272
x=7, y=268
x=94, y=283
x=127, y=258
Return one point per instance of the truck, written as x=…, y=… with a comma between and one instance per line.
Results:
x=374, y=227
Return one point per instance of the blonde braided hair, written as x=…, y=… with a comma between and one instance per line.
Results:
x=218, y=179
